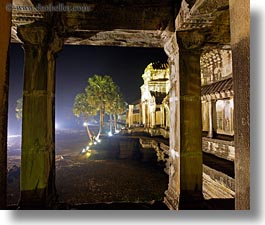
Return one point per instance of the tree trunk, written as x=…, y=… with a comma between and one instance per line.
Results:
x=89, y=133
x=101, y=121
x=115, y=122
x=110, y=122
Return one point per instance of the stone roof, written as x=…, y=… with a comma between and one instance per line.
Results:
x=219, y=86
x=157, y=66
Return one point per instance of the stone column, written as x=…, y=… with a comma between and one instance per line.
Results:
x=130, y=115
x=190, y=117
x=239, y=14
x=153, y=119
x=172, y=194
x=162, y=116
x=5, y=27
x=214, y=117
x=185, y=184
x=38, y=129
x=210, y=105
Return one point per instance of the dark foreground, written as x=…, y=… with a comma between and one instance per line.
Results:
x=106, y=177
x=99, y=179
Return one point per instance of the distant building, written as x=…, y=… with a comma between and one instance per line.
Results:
x=134, y=114
x=152, y=110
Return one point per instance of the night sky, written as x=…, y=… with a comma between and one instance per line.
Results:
x=75, y=64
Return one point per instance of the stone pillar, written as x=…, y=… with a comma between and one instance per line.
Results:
x=210, y=105
x=214, y=117
x=190, y=117
x=162, y=116
x=5, y=28
x=130, y=115
x=240, y=14
x=185, y=184
x=38, y=129
x=172, y=194
x=153, y=118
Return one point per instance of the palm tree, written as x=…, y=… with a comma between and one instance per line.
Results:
x=117, y=106
x=84, y=106
x=101, y=89
x=101, y=95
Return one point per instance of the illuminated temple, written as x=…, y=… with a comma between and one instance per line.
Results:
x=152, y=110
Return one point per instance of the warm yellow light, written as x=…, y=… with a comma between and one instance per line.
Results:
x=88, y=154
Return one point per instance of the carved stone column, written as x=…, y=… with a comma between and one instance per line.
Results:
x=185, y=182
x=239, y=14
x=38, y=136
x=5, y=27
x=190, y=44
x=172, y=194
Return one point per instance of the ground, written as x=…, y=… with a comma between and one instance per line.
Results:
x=98, y=177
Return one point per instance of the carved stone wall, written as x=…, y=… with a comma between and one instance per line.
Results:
x=216, y=65
x=220, y=148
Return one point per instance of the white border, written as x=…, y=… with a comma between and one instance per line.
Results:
x=255, y=216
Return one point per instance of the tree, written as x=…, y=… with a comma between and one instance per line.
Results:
x=102, y=90
x=19, y=108
x=101, y=96
x=84, y=106
x=117, y=107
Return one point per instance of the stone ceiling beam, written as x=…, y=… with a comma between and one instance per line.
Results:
x=113, y=23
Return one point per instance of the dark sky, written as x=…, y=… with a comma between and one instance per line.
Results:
x=75, y=64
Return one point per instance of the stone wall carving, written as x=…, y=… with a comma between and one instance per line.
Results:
x=216, y=65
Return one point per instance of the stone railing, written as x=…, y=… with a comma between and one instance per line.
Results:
x=220, y=177
x=220, y=148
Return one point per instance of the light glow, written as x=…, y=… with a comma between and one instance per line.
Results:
x=88, y=154
x=117, y=131
x=57, y=125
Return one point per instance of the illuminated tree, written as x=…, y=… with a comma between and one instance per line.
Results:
x=19, y=108
x=101, y=96
x=117, y=106
x=102, y=90
x=84, y=106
